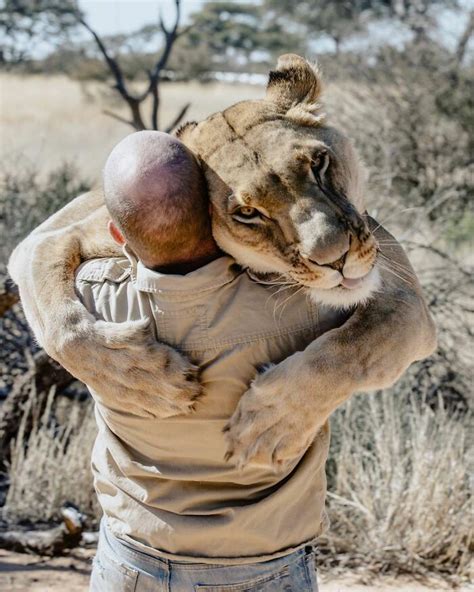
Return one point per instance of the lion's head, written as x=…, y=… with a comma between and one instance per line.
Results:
x=287, y=190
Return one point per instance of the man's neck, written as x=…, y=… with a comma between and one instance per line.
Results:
x=184, y=267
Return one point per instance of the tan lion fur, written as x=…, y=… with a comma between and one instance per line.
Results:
x=256, y=154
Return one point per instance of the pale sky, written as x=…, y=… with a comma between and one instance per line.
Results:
x=122, y=16
x=119, y=16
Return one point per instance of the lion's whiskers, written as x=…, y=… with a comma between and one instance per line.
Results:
x=397, y=266
x=388, y=242
x=403, y=272
x=390, y=217
x=279, y=291
x=284, y=304
x=395, y=273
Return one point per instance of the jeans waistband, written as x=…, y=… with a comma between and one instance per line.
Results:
x=141, y=561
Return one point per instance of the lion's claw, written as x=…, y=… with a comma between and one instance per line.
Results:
x=128, y=368
x=270, y=426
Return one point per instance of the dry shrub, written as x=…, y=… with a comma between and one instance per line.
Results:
x=400, y=499
x=410, y=116
x=51, y=463
x=26, y=200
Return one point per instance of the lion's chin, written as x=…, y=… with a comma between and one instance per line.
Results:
x=341, y=297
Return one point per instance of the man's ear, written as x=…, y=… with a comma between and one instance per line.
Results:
x=116, y=234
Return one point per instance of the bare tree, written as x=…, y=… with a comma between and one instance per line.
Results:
x=464, y=39
x=22, y=20
x=135, y=101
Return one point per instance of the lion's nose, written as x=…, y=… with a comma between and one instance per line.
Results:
x=338, y=264
x=331, y=253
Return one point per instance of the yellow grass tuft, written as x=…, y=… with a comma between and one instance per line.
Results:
x=400, y=500
x=51, y=463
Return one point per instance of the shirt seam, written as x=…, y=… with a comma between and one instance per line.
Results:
x=244, y=340
x=174, y=293
x=180, y=294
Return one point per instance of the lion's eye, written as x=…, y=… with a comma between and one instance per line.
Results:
x=247, y=214
x=320, y=163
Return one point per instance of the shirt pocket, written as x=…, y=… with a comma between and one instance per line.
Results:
x=184, y=328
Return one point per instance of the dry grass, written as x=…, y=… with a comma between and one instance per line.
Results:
x=49, y=120
x=51, y=462
x=400, y=500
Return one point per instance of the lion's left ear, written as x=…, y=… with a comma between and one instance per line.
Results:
x=296, y=86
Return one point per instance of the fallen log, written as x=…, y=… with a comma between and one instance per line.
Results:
x=50, y=542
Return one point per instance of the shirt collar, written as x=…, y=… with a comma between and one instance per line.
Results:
x=209, y=277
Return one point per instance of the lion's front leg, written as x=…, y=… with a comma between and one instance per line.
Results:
x=279, y=416
x=126, y=367
x=281, y=413
x=121, y=361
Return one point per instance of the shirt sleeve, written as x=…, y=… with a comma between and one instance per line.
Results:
x=85, y=292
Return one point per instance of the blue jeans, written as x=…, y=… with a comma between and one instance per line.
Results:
x=118, y=567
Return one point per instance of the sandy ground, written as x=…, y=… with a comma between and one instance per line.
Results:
x=51, y=119
x=25, y=573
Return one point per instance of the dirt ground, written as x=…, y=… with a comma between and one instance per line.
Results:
x=26, y=573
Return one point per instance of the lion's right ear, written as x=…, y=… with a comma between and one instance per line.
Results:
x=185, y=127
x=295, y=84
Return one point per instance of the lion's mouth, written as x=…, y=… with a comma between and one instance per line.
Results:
x=353, y=284
x=349, y=291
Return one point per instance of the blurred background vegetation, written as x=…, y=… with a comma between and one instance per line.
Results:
x=400, y=77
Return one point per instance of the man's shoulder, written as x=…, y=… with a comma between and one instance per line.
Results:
x=99, y=285
x=108, y=269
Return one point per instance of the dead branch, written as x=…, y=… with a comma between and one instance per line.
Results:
x=53, y=541
x=134, y=102
x=464, y=39
x=170, y=37
x=117, y=117
x=120, y=84
x=176, y=121
x=43, y=374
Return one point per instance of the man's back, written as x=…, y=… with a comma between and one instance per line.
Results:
x=164, y=484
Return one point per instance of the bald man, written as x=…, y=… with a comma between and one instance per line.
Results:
x=177, y=516
x=149, y=169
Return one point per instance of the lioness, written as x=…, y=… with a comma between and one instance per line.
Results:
x=287, y=193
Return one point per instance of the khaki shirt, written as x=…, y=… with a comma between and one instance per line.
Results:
x=163, y=484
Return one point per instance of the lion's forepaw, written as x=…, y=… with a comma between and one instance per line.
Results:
x=271, y=425
x=128, y=368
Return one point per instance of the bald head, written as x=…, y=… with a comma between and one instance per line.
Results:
x=156, y=196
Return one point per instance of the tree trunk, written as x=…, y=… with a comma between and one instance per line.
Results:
x=51, y=542
x=137, y=118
